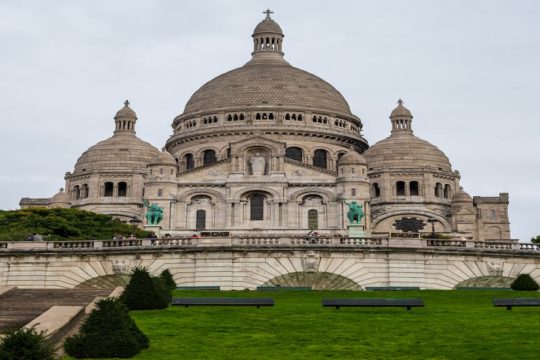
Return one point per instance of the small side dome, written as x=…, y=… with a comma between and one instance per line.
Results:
x=163, y=158
x=61, y=197
x=126, y=112
x=268, y=25
x=400, y=111
x=461, y=196
x=352, y=158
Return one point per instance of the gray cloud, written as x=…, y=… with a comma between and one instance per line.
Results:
x=468, y=70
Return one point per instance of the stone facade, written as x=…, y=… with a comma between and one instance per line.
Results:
x=271, y=149
x=247, y=262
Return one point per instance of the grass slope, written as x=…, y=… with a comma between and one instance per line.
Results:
x=453, y=325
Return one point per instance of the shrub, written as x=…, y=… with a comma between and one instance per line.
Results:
x=524, y=282
x=25, y=344
x=162, y=289
x=167, y=279
x=108, y=332
x=143, y=293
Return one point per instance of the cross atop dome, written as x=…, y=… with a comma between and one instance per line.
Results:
x=268, y=12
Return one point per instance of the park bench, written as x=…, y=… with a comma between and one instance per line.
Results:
x=212, y=301
x=509, y=303
x=485, y=288
x=408, y=303
x=274, y=288
x=200, y=287
x=391, y=288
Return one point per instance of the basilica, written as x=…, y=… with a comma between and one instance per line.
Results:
x=268, y=149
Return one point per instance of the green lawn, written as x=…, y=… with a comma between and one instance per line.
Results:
x=453, y=325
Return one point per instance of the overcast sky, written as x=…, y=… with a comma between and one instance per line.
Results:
x=468, y=71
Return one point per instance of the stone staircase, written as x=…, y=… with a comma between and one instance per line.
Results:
x=20, y=306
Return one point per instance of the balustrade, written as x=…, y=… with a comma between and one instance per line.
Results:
x=254, y=241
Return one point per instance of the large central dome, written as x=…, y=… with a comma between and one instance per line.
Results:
x=267, y=80
x=274, y=84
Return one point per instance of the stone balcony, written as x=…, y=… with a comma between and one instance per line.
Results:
x=380, y=242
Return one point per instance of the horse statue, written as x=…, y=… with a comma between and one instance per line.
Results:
x=154, y=213
x=355, y=213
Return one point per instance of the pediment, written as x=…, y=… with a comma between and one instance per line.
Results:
x=275, y=147
x=217, y=171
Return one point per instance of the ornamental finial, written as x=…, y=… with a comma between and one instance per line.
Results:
x=126, y=103
x=268, y=12
x=400, y=102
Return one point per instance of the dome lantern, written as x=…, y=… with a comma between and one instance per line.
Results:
x=267, y=39
x=125, y=120
x=401, y=119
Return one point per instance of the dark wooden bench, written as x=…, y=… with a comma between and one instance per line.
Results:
x=391, y=288
x=213, y=301
x=274, y=288
x=408, y=303
x=509, y=303
x=201, y=287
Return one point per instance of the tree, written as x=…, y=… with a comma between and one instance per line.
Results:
x=167, y=279
x=25, y=344
x=143, y=292
x=108, y=332
x=536, y=240
x=524, y=282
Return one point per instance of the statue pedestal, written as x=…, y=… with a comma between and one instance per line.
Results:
x=356, y=231
x=153, y=228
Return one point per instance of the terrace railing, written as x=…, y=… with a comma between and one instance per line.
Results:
x=377, y=241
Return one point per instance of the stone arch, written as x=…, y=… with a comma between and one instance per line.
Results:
x=489, y=281
x=447, y=226
x=314, y=280
x=273, y=147
x=327, y=195
x=198, y=154
x=242, y=193
x=214, y=195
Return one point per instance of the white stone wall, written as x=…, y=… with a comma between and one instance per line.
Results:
x=238, y=269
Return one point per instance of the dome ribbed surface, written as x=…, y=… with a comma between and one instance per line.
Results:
x=403, y=150
x=401, y=111
x=352, y=158
x=267, y=84
x=461, y=196
x=268, y=26
x=163, y=158
x=124, y=151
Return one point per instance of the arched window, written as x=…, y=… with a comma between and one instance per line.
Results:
x=258, y=116
x=294, y=153
x=287, y=116
x=200, y=220
x=108, y=190
x=257, y=207
x=122, y=189
x=76, y=192
x=413, y=185
x=319, y=158
x=188, y=160
x=84, y=191
x=209, y=157
x=447, y=191
x=400, y=188
x=438, y=190
x=313, y=219
x=376, y=190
